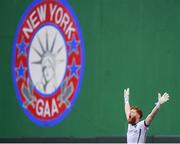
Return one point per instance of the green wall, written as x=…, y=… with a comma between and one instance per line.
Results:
x=128, y=43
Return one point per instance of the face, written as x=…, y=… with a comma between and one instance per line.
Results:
x=134, y=117
x=48, y=71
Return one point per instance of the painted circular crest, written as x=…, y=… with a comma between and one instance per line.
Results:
x=47, y=62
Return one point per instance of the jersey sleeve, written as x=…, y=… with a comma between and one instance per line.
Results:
x=146, y=124
x=142, y=124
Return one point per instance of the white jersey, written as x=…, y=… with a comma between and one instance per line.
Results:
x=137, y=133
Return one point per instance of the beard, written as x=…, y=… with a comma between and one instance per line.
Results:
x=132, y=120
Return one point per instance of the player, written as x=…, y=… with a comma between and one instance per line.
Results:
x=137, y=129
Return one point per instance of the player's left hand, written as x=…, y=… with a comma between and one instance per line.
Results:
x=164, y=98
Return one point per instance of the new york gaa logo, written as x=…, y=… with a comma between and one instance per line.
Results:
x=47, y=62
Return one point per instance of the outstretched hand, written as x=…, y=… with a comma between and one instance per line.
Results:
x=164, y=98
x=126, y=95
x=126, y=92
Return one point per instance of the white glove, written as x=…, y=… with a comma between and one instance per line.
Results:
x=126, y=95
x=164, y=98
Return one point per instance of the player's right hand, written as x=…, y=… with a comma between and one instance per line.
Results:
x=126, y=92
x=164, y=98
x=126, y=95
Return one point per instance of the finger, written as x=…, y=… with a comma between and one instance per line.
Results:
x=166, y=97
x=124, y=91
x=159, y=95
x=166, y=94
x=128, y=90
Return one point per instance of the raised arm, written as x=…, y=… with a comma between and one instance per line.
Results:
x=126, y=103
x=161, y=100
